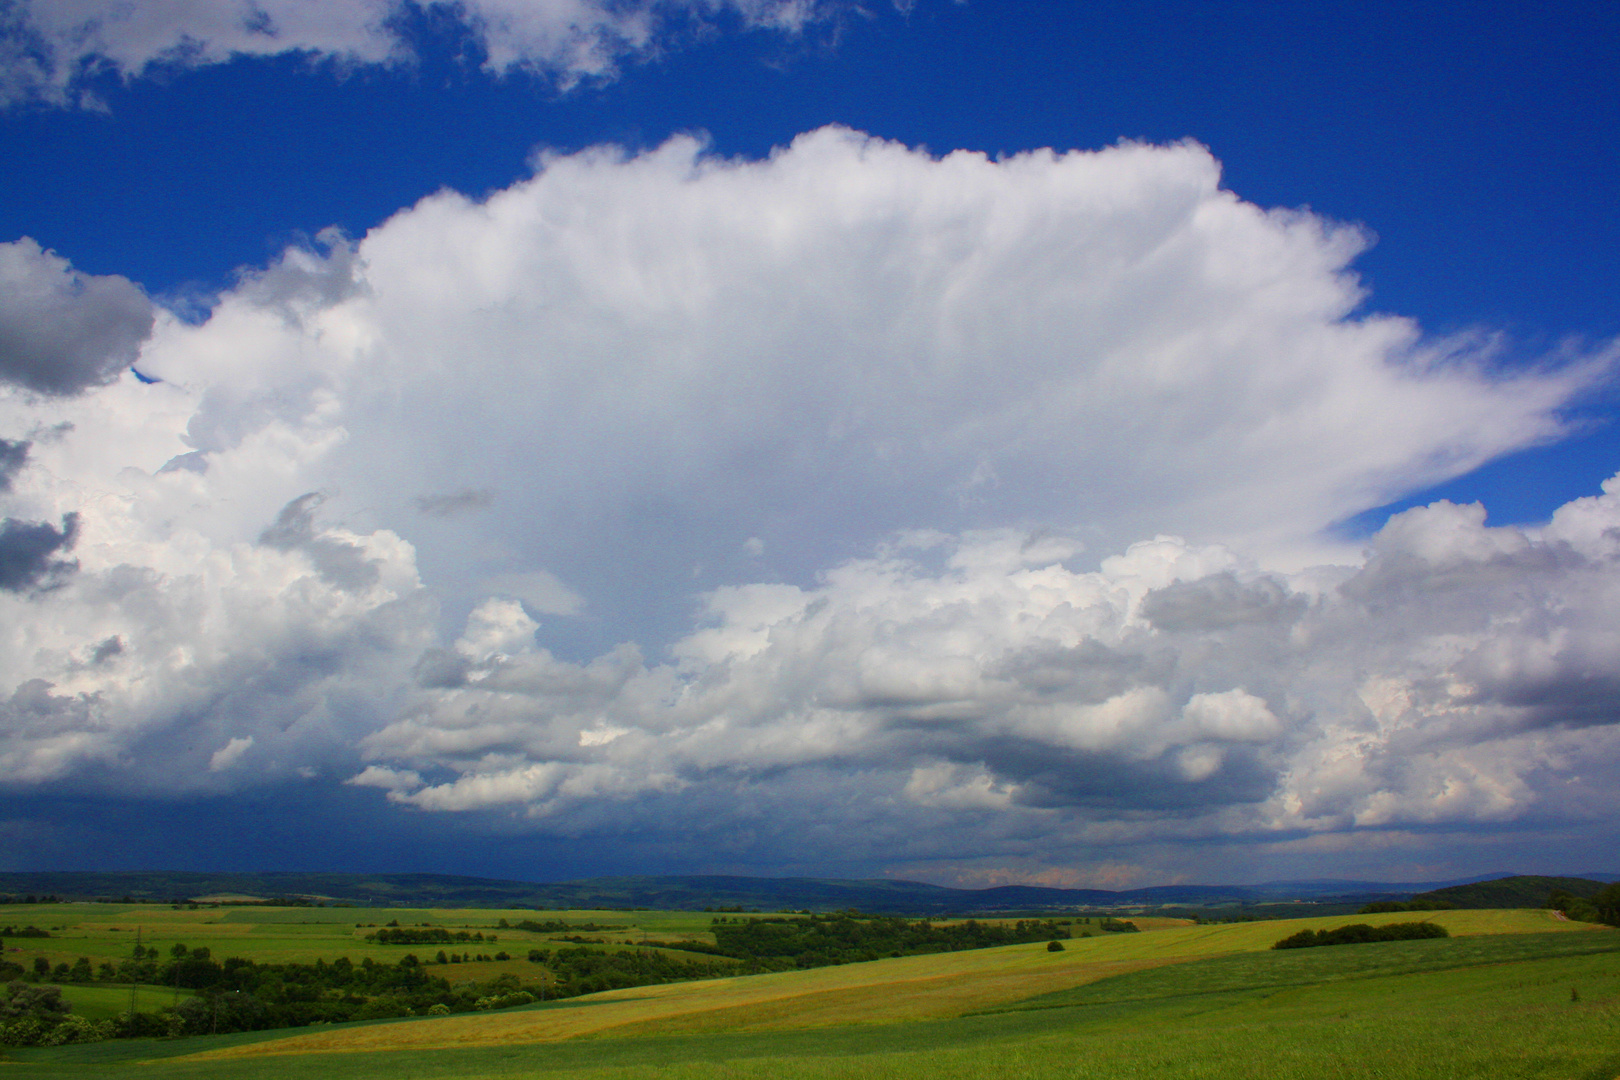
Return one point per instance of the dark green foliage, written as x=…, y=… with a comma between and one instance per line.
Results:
x=1607, y=903
x=31, y=1015
x=1574, y=907
x=1601, y=907
x=240, y=995
x=577, y=971
x=780, y=944
x=427, y=935
x=1054, y=946
x=1380, y=907
x=23, y=931
x=26, y=999
x=1361, y=933
x=1524, y=891
x=1118, y=926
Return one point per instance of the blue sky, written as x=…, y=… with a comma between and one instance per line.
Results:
x=628, y=439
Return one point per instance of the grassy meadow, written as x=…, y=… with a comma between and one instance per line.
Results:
x=1511, y=994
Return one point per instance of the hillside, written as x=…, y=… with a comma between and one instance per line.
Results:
x=1522, y=891
x=687, y=893
x=698, y=892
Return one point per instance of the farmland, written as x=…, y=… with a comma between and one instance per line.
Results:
x=1511, y=993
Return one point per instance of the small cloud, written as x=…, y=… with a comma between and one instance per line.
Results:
x=391, y=780
x=196, y=462
x=601, y=734
x=455, y=502
x=538, y=589
x=13, y=456
x=754, y=546
x=497, y=628
x=229, y=754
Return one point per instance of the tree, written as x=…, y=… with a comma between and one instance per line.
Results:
x=1607, y=903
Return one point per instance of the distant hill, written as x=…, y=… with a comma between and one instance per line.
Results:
x=1522, y=891
x=879, y=896
x=670, y=893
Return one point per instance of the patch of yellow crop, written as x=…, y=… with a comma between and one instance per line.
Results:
x=885, y=990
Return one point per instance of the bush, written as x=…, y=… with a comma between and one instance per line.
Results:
x=1054, y=946
x=505, y=1001
x=1361, y=933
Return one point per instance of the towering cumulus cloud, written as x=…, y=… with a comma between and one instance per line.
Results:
x=855, y=507
x=46, y=47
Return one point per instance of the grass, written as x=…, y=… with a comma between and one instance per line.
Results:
x=1189, y=1002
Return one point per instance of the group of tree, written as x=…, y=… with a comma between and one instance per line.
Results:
x=426, y=935
x=240, y=995
x=558, y=926
x=1380, y=907
x=1602, y=908
x=779, y=944
x=571, y=972
x=1361, y=933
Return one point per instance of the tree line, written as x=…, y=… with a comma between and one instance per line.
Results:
x=1602, y=908
x=241, y=995
x=430, y=935
x=779, y=944
x=1361, y=933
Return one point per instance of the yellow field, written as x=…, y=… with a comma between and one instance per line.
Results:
x=909, y=988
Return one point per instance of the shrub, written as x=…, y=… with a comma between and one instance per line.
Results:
x=1054, y=946
x=1361, y=933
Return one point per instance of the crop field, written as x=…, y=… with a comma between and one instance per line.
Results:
x=1511, y=994
x=270, y=935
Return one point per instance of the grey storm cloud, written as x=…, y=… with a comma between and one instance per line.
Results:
x=1218, y=601
x=62, y=331
x=342, y=563
x=13, y=456
x=29, y=549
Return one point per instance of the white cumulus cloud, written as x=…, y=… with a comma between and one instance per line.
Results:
x=1034, y=459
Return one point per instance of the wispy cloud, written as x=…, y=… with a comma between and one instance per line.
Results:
x=47, y=49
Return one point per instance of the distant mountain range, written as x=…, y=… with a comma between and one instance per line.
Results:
x=765, y=894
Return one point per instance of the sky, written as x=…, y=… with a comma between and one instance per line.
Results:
x=1082, y=444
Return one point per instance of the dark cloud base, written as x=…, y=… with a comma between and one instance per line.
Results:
x=318, y=827
x=28, y=552
x=303, y=827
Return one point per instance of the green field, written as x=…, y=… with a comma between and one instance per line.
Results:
x=270, y=935
x=1512, y=994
